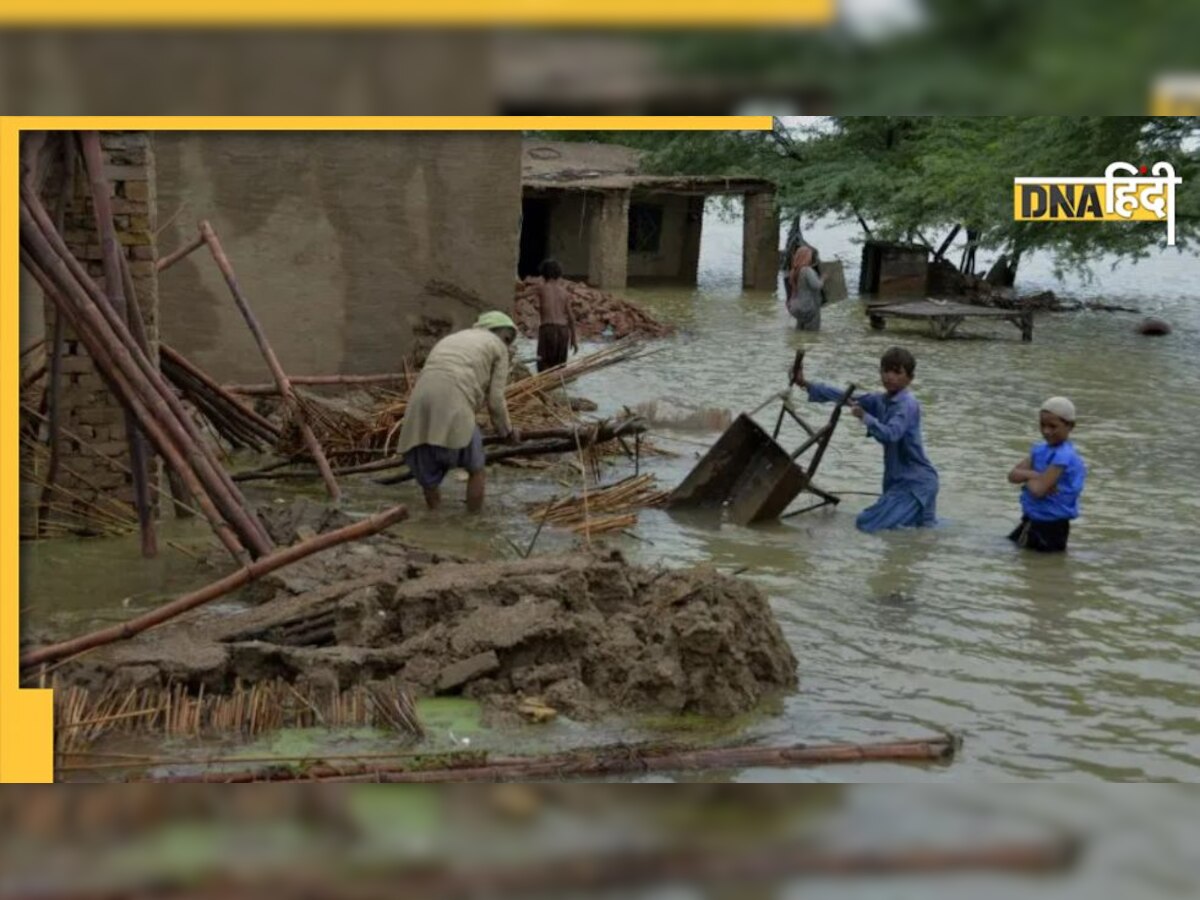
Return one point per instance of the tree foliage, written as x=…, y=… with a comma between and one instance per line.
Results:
x=917, y=177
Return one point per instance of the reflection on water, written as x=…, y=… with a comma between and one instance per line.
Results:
x=1080, y=666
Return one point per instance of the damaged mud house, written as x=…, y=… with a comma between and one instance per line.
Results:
x=348, y=254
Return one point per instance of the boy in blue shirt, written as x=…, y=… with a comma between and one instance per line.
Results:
x=1052, y=478
x=893, y=417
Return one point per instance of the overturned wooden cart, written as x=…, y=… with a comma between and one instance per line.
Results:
x=750, y=476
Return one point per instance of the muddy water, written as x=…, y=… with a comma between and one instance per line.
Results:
x=1079, y=667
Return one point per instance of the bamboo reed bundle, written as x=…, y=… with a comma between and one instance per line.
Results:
x=605, y=509
x=354, y=434
x=235, y=421
x=84, y=715
x=68, y=511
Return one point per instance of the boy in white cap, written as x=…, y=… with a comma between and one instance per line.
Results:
x=1052, y=478
x=439, y=431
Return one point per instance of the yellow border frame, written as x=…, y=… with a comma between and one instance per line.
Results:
x=26, y=715
x=476, y=13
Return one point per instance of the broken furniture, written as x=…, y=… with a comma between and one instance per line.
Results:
x=750, y=476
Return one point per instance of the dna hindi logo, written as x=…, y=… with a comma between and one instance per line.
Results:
x=1126, y=193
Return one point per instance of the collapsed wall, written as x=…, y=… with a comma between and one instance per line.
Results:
x=589, y=634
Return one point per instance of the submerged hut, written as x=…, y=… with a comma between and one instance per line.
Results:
x=609, y=223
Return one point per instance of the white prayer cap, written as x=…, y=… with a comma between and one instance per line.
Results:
x=1061, y=407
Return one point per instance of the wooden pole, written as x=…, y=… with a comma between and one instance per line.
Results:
x=52, y=253
x=54, y=384
x=596, y=761
x=234, y=580
x=165, y=262
x=833, y=421
x=119, y=384
x=144, y=376
x=281, y=379
x=316, y=381
x=108, y=340
x=266, y=426
x=112, y=356
x=114, y=289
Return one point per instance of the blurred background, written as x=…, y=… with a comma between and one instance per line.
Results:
x=878, y=56
x=690, y=840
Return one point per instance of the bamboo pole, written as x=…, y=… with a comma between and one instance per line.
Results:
x=114, y=289
x=220, y=588
x=317, y=381
x=143, y=375
x=231, y=425
x=165, y=262
x=54, y=385
x=265, y=425
x=597, y=761
x=587, y=436
x=281, y=379
x=562, y=437
x=32, y=347
x=119, y=383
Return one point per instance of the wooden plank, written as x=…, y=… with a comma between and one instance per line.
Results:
x=925, y=309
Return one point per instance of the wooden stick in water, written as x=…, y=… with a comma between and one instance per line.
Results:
x=281, y=378
x=250, y=572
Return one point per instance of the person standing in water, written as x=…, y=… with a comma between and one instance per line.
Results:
x=556, y=333
x=1051, y=479
x=804, y=290
x=439, y=432
x=893, y=417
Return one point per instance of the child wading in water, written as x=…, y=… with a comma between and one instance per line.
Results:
x=893, y=417
x=1052, y=477
x=556, y=333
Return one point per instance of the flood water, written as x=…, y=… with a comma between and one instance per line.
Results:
x=1070, y=667
x=1076, y=666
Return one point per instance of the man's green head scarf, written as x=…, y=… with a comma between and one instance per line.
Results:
x=495, y=319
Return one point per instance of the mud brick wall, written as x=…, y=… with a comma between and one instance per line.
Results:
x=87, y=408
x=353, y=249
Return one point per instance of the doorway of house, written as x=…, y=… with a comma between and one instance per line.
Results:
x=535, y=235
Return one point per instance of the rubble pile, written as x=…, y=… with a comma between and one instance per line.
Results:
x=597, y=313
x=586, y=634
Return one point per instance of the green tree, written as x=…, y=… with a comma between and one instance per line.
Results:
x=920, y=178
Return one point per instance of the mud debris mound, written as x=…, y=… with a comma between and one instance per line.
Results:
x=596, y=312
x=588, y=634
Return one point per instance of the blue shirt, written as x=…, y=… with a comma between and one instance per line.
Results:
x=1063, y=500
x=895, y=421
